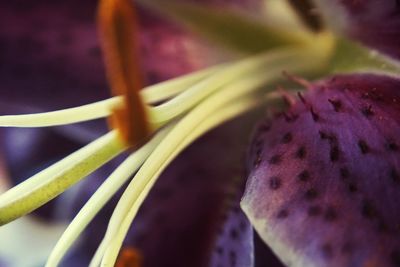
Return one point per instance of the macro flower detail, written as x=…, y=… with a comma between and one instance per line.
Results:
x=189, y=212
x=326, y=173
x=162, y=186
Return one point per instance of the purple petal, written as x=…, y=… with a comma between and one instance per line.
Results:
x=49, y=54
x=234, y=245
x=324, y=189
x=51, y=58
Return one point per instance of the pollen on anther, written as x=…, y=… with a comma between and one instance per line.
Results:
x=129, y=256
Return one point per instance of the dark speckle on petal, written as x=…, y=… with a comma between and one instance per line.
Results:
x=282, y=214
x=276, y=159
x=304, y=176
x=364, y=148
x=275, y=183
x=301, y=152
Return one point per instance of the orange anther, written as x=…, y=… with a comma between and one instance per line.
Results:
x=119, y=35
x=129, y=257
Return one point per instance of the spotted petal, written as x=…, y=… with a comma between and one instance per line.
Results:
x=324, y=185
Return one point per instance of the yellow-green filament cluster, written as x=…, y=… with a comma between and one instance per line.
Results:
x=102, y=195
x=150, y=95
x=190, y=106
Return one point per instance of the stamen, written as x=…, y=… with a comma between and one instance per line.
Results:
x=216, y=98
x=202, y=84
x=289, y=58
x=102, y=195
x=129, y=257
x=159, y=92
x=188, y=129
x=225, y=114
x=52, y=181
x=119, y=34
x=150, y=95
x=93, y=111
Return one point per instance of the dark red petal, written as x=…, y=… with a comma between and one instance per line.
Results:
x=329, y=194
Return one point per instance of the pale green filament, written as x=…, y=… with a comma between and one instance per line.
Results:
x=185, y=101
x=169, y=144
x=290, y=60
x=152, y=94
x=225, y=114
x=92, y=111
x=164, y=90
x=52, y=181
x=201, y=84
x=213, y=96
x=102, y=195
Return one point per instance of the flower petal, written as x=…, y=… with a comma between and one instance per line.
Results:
x=234, y=245
x=324, y=188
x=50, y=54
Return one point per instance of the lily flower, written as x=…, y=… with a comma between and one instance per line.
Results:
x=203, y=183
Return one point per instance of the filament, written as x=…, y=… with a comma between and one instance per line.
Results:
x=50, y=182
x=102, y=195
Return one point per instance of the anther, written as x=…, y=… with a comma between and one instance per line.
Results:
x=118, y=32
x=129, y=257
